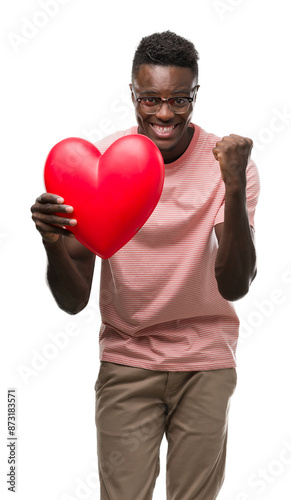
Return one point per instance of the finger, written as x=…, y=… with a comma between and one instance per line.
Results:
x=53, y=219
x=242, y=139
x=50, y=208
x=227, y=140
x=249, y=141
x=45, y=230
x=215, y=153
x=50, y=198
x=234, y=141
x=236, y=136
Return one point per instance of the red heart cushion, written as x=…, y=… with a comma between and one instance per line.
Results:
x=112, y=194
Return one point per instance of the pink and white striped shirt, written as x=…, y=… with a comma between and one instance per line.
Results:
x=159, y=301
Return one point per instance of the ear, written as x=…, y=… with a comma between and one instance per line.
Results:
x=196, y=91
x=132, y=95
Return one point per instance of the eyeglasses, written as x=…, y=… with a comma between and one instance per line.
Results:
x=178, y=105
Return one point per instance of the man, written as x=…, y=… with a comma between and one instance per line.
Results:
x=169, y=332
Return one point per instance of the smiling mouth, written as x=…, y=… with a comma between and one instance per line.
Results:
x=163, y=130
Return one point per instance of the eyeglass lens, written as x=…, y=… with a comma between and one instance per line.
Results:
x=152, y=105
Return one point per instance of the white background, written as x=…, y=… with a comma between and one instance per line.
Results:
x=70, y=78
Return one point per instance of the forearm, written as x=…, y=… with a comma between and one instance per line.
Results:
x=69, y=287
x=235, y=266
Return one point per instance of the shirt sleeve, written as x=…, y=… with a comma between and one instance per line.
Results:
x=253, y=190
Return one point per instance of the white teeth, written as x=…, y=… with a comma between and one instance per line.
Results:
x=163, y=130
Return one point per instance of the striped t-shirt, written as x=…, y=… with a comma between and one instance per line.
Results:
x=159, y=302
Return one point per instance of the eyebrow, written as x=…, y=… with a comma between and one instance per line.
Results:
x=180, y=91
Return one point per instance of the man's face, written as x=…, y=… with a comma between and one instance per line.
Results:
x=169, y=131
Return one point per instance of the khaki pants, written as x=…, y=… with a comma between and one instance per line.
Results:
x=135, y=407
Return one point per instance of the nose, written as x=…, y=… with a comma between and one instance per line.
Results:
x=165, y=114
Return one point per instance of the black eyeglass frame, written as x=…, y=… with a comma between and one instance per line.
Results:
x=164, y=99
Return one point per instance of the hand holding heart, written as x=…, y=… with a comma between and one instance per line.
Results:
x=233, y=154
x=110, y=196
x=48, y=223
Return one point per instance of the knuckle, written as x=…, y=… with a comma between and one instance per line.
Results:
x=51, y=218
x=40, y=199
x=34, y=216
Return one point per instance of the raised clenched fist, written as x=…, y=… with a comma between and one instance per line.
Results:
x=233, y=154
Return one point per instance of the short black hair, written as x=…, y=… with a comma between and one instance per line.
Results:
x=165, y=49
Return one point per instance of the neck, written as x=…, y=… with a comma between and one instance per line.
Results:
x=179, y=150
